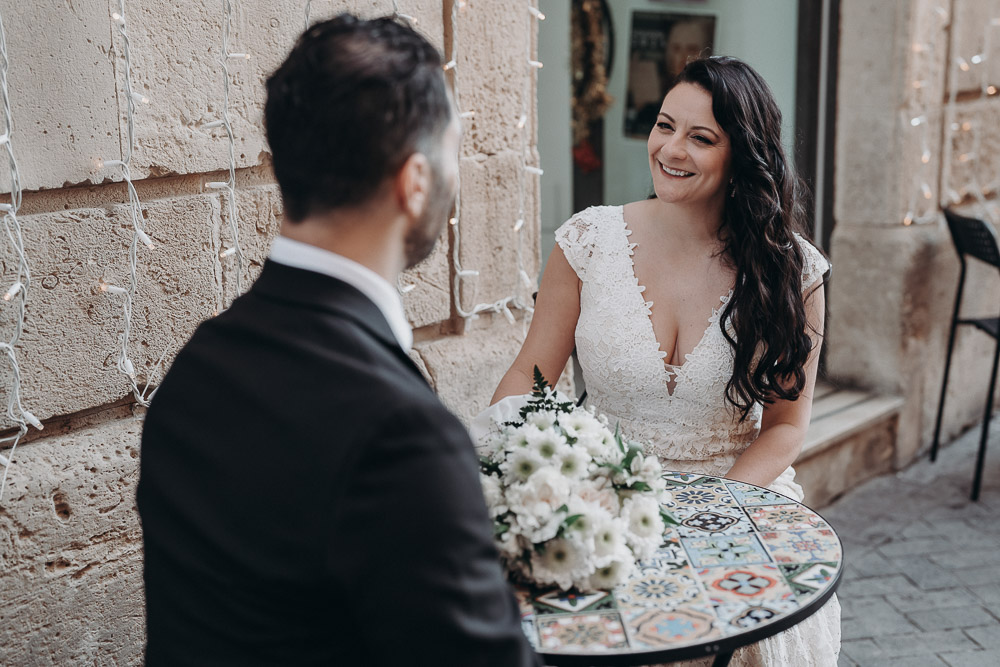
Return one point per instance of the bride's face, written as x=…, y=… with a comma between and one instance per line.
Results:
x=689, y=153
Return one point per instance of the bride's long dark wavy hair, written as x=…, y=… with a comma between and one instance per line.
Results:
x=765, y=320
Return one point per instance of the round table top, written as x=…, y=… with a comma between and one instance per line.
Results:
x=743, y=564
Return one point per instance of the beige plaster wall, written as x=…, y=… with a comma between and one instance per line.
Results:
x=70, y=545
x=894, y=285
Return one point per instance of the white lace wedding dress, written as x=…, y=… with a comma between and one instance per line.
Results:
x=692, y=428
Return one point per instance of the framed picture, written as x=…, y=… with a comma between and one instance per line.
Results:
x=660, y=45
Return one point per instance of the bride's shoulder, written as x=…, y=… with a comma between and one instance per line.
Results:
x=584, y=225
x=814, y=264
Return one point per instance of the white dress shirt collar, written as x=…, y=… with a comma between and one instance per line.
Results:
x=312, y=258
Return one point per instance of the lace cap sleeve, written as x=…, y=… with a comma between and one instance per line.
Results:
x=814, y=265
x=577, y=238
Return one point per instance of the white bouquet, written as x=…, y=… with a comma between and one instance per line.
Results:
x=573, y=504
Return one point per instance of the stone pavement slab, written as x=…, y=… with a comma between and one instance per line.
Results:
x=921, y=583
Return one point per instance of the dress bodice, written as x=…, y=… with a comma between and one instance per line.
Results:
x=691, y=428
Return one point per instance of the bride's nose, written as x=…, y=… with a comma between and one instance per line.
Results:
x=674, y=146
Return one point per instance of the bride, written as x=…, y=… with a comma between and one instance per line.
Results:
x=697, y=314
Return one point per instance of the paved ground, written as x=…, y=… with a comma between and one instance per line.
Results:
x=922, y=582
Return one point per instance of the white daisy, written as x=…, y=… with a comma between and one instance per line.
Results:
x=643, y=525
x=562, y=562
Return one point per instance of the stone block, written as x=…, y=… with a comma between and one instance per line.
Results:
x=71, y=551
x=258, y=215
x=176, y=57
x=928, y=57
x=62, y=126
x=873, y=36
x=951, y=617
x=492, y=76
x=429, y=301
x=894, y=289
x=974, y=143
x=488, y=241
x=69, y=349
x=827, y=474
x=969, y=24
x=465, y=370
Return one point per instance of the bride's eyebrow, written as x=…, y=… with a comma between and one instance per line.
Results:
x=696, y=127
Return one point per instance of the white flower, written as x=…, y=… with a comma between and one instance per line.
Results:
x=588, y=515
x=521, y=464
x=548, y=444
x=613, y=573
x=652, y=472
x=542, y=494
x=643, y=525
x=575, y=462
x=580, y=424
x=541, y=420
x=599, y=491
x=563, y=562
x=493, y=494
x=609, y=539
x=517, y=437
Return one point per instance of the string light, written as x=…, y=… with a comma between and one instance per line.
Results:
x=465, y=277
x=132, y=98
x=229, y=185
x=967, y=154
x=19, y=289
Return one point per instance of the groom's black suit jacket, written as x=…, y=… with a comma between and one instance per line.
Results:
x=306, y=499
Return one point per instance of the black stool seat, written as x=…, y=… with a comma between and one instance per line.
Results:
x=974, y=238
x=990, y=325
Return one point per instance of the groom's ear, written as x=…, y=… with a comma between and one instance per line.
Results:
x=413, y=184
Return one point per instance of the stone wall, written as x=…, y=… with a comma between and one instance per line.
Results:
x=903, y=146
x=70, y=545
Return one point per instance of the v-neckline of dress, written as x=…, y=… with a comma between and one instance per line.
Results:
x=673, y=371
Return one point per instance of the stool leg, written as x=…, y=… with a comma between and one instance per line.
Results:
x=981, y=457
x=947, y=364
x=722, y=659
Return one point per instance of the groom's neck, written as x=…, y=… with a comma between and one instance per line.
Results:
x=371, y=235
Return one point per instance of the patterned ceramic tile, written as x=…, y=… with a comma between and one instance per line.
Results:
x=662, y=590
x=530, y=631
x=809, y=578
x=590, y=632
x=562, y=602
x=803, y=546
x=696, y=522
x=670, y=556
x=725, y=550
x=749, y=584
x=702, y=496
x=747, y=494
x=653, y=628
x=737, y=615
x=523, y=597
x=683, y=478
x=785, y=517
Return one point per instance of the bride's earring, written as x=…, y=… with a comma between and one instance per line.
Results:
x=732, y=189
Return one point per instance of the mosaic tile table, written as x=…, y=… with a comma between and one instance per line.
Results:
x=743, y=564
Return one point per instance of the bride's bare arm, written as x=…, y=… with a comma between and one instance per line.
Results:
x=784, y=423
x=550, y=337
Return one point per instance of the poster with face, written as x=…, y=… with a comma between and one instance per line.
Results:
x=661, y=44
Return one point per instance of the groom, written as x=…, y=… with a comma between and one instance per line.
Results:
x=305, y=498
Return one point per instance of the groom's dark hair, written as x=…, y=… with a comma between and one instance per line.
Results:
x=351, y=103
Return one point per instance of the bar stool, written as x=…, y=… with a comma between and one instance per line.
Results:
x=977, y=239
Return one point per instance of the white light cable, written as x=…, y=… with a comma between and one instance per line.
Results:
x=17, y=292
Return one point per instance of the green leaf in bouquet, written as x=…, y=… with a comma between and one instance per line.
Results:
x=499, y=528
x=633, y=451
x=618, y=437
x=488, y=465
x=563, y=508
x=668, y=518
x=612, y=466
x=540, y=384
x=570, y=520
x=641, y=486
